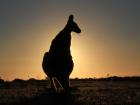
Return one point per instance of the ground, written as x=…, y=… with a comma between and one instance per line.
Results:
x=83, y=92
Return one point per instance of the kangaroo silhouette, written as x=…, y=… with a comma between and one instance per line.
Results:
x=58, y=63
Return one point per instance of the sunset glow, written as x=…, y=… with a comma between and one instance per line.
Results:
x=108, y=44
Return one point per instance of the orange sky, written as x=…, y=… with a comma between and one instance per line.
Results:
x=109, y=42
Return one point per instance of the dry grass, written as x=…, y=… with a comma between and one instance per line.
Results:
x=83, y=93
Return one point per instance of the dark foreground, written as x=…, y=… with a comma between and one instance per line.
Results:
x=83, y=92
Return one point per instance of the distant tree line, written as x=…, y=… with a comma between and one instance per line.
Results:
x=113, y=78
x=1, y=81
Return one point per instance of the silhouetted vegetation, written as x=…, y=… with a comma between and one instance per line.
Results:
x=116, y=78
x=1, y=82
x=113, y=78
x=88, y=91
x=18, y=80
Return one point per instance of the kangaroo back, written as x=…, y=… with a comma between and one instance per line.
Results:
x=45, y=60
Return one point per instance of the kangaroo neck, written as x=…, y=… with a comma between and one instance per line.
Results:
x=67, y=29
x=62, y=42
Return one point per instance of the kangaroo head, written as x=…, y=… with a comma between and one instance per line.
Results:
x=73, y=27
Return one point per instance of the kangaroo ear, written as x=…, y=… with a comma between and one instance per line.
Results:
x=71, y=17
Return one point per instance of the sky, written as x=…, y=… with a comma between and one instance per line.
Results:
x=109, y=42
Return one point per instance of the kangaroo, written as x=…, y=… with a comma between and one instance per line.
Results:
x=58, y=63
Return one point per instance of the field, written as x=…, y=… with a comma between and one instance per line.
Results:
x=83, y=92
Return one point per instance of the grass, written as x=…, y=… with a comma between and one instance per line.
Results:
x=84, y=92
